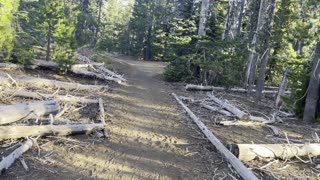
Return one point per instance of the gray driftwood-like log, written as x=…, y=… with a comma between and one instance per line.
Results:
x=9, y=160
x=15, y=132
x=191, y=87
x=240, y=123
x=9, y=66
x=62, y=98
x=240, y=114
x=16, y=112
x=242, y=170
x=101, y=68
x=81, y=69
x=102, y=117
x=215, y=109
x=40, y=83
x=248, y=152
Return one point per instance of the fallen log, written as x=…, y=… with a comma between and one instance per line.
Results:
x=76, y=69
x=242, y=170
x=102, y=118
x=191, y=87
x=248, y=152
x=215, y=109
x=240, y=114
x=9, y=160
x=16, y=112
x=240, y=123
x=15, y=132
x=101, y=68
x=273, y=130
x=9, y=66
x=62, y=98
x=40, y=83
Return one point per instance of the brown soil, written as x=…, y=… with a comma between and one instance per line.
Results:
x=149, y=138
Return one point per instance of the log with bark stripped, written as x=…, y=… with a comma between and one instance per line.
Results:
x=215, y=109
x=9, y=160
x=240, y=114
x=242, y=170
x=15, y=132
x=62, y=98
x=101, y=68
x=16, y=112
x=248, y=152
x=40, y=83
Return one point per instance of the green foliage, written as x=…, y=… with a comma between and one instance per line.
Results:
x=8, y=9
x=178, y=71
x=64, y=57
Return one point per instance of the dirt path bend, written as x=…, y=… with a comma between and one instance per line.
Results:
x=150, y=138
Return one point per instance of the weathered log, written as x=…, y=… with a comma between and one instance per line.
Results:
x=240, y=114
x=40, y=83
x=101, y=68
x=15, y=132
x=243, y=171
x=215, y=109
x=16, y=112
x=9, y=160
x=273, y=130
x=261, y=119
x=62, y=98
x=248, y=152
x=9, y=66
x=241, y=90
x=76, y=69
x=102, y=117
x=240, y=123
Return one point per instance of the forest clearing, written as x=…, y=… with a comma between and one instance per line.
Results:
x=181, y=89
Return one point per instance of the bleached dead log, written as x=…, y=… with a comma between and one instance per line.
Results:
x=76, y=69
x=16, y=112
x=40, y=83
x=273, y=130
x=240, y=114
x=9, y=160
x=215, y=109
x=241, y=90
x=242, y=170
x=240, y=123
x=248, y=152
x=101, y=68
x=261, y=119
x=9, y=66
x=102, y=117
x=15, y=132
x=62, y=98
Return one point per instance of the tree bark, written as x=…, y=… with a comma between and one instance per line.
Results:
x=313, y=89
x=265, y=58
x=16, y=112
x=203, y=17
x=227, y=21
x=240, y=17
x=48, y=51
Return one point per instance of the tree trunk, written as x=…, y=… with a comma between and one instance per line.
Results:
x=16, y=112
x=227, y=21
x=240, y=17
x=313, y=89
x=48, y=52
x=253, y=56
x=147, y=46
x=264, y=61
x=282, y=88
x=203, y=17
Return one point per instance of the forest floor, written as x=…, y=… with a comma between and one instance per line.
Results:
x=150, y=136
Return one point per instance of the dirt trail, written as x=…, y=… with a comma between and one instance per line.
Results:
x=149, y=138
